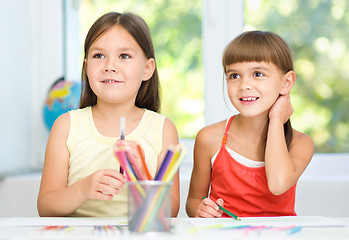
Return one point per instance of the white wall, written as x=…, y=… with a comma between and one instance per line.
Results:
x=31, y=60
x=16, y=73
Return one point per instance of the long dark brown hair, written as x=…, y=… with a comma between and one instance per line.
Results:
x=260, y=46
x=148, y=93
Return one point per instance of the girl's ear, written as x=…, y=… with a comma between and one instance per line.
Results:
x=289, y=80
x=149, y=69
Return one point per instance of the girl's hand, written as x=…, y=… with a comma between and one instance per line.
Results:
x=131, y=147
x=282, y=109
x=209, y=208
x=102, y=184
x=135, y=150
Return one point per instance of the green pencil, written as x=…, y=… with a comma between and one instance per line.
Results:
x=227, y=212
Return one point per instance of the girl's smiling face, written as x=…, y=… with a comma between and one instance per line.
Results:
x=116, y=66
x=253, y=87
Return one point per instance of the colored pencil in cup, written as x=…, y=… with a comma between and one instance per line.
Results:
x=144, y=163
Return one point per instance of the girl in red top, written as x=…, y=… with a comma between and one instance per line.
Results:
x=251, y=162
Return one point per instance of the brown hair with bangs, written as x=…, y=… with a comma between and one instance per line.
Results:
x=148, y=93
x=261, y=46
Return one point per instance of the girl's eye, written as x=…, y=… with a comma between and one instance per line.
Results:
x=258, y=74
x=234, y=76
x=98, y=55
x=124, y=56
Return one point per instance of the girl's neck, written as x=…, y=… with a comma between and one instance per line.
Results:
x=107, y=117
x=112, y=111
x=251, y=135
x=255, y=127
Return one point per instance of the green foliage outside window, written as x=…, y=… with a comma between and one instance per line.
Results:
x=176, y=30
x=317, y=32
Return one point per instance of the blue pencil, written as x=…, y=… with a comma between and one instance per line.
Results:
x=164, y=165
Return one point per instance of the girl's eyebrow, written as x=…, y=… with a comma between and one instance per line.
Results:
x=96, y=49
x=253, y=69
x=123, y=49
x=261, y=68
x=230, y=70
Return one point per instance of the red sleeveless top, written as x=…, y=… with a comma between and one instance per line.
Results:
x=245, y=189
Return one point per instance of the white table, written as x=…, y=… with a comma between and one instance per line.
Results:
x=182, y=228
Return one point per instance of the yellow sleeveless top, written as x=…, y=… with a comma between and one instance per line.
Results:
x=90, y=151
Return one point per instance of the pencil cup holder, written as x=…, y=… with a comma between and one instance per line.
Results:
x=149, y=206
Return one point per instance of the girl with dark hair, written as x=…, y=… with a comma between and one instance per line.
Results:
x=119, y=79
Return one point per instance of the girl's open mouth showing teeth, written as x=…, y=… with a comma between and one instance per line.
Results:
x=111, y=81
x=249, y=99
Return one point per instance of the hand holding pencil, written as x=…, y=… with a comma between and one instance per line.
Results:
x=209, y=208
x=135, y=156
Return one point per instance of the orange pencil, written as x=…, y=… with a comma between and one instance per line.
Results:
x=144, y=164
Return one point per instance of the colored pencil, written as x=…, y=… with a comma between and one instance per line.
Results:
x=150, y=201
x=122, y=135
x=164, y=165
x=122, y=128
x=227, y=212
x=144, y=163
x=172, y=172
x=134, y=166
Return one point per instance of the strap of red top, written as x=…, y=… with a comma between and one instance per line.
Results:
x=224, y=141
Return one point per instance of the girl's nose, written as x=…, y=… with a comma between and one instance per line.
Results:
x=110, y=67
x=245, y=84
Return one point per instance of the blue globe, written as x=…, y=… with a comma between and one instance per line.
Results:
x=62, y=97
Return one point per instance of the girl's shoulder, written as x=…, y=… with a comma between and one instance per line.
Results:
x=77, y=116
x=80, y=111
x=159, y=121
x=63, y=121
x=151, y=115
x=215, y=129
x=61, y=126
x=301, y=137
x=303, y=141
x=211, y=135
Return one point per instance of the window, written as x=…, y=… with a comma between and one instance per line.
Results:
x=317, y=33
